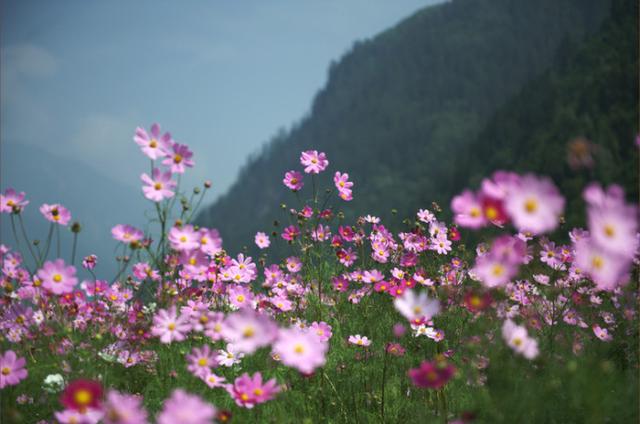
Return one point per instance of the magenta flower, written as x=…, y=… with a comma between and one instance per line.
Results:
x=170, y=326
x=248, y=330
x=468, y=210
x=179, y=157
x=123, y=409
x=154, y=145
x=12, y=202
x=293, y=180
x=249, y=391
x=58, y=278
x=290, y=233
x=89, y=262
x=201, y=360
x=159, y=186
x=432, y=374
x=184, y=238
x=126, y=233
x=300, y=350
x=56, y=213
x=12, y=369
x=313, y=161
x=262, y=240
x=343, y=185
x=185, y=408
x=534, y=204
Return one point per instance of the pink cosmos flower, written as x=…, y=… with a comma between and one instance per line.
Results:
x=89, y=262
x=201, y=360
x=359, y=340
x=293, y=264
x=178, y=158
x=290, y=233
x=300, y=350
x=432, y=374
x=122, y=408
x=293, y=180
x=414, y=307
x=12, y=202
x=72, y=416
x=613, y=225
x=321, y=330
x=534, y=204
x=605, y=269
x=240, y=296
x=170, y=326
x=249, y=330
x=601, y=333
x=159, y=186
x=58, y=278
x=12, y=369
x=468, y=210
x=184, y=238
x=126, y=233
x=230, y=356
x=56, y=213
x=249, y=391
x=518, y=339
x=262, y=240
x=185, y=408
x=210, y=241
x=493, y=271
x=313, y=161
x=154, y=145
x=343, y=185
x=213, y=380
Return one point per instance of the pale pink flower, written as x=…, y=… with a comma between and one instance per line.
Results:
x=120, y=408
x=170, y=326
x=518, y=339
x=185, y=408
x=73, y=416
x=229, y=357
x=213, y=380
x=12, y=202
x=249, y=391
x=249, y=330
x=12, y=369
x=159, y=186
x=56, y=213
x=58, y=278
x=534, y=204
x=154, y=144
x=293, y=180
x=359, y=340
x=126, y=233
x=468, y=210
x=184, y=238
x=416, y=307
x=201, y=360
x=210, y=241
x=300, y=350
x=262, y=240
x=178, y=158
x=321, y=330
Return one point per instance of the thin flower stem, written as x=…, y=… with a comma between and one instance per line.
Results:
x=73, y=249
x=57, y=241
x=46, y=250
x=24, y=234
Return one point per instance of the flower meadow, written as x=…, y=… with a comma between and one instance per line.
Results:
x=356, y=322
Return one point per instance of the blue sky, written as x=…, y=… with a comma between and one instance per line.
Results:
x=223, y=76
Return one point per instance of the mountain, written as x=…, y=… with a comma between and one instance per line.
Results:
x=94, y=200
x=399, y=110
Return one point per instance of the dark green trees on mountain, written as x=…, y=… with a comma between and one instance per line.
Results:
x=448, y=95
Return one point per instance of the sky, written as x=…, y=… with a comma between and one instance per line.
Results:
x=78, y=76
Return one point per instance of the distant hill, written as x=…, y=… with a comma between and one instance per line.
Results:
x=400, y=111
x=95, y=200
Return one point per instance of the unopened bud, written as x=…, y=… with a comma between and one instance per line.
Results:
x=207, y=184
x=75, y=227
x=196, y=190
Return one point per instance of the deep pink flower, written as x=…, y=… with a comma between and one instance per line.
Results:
x=293, y=180
x=56, y=213
x=12, y=202
x=185, y=408
x=290, y=233
x=159, y=186
x=81, y=395
x=249, y=391
x=58, y=278
x=178, y=158
x=432, y=374
x=313, y=161
x=12, y=369
x=154, y=145
x=170, y=326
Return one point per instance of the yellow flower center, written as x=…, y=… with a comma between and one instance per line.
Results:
x=517, y=341
x=183, y=239
x=249, y=332
x=177, y=158
x=531, y=205
x=83, y=397
x=497, y=270
x=153, y=143
x=6, y=371
x=597, y=262
x=298, y=348
x=240, y=298
x=157, y=186
x=171, y=326
x=57, y=278
x=474, y=212
x=202, y=362
x=258, y=392
x=244, y=397
x=609, y=230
